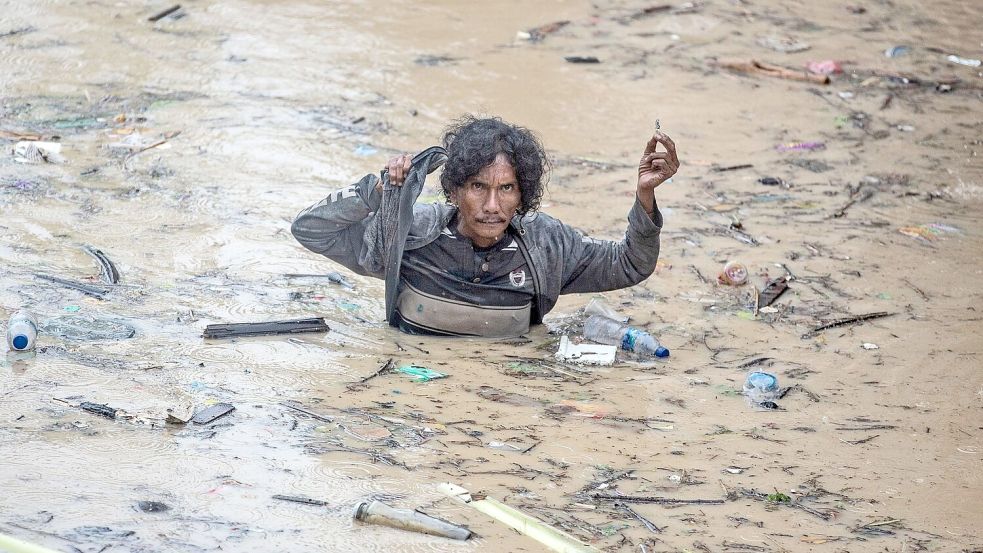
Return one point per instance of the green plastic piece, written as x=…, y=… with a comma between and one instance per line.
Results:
x=422, y=374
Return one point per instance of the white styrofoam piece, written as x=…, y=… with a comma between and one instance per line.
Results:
x=588, y=354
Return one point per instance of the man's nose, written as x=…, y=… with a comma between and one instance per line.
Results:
x=491, y=202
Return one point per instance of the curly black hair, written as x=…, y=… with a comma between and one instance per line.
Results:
x=472, y=144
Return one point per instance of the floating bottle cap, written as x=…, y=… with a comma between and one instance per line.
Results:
x=734, y=274
x=20, y=341
x=762, y=381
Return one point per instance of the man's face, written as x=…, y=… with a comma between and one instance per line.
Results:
x=487, y=202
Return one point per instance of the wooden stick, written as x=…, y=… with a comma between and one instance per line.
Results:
x=848, y=320
x=304, y=500
x=654, y=499
x=756, y=67
x=388, y=366
x=321, y=418
x=163, y=14
x=648, y=523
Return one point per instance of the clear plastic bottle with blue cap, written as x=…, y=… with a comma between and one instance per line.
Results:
x=22, y=331
x=607, y=331
x=761, y=390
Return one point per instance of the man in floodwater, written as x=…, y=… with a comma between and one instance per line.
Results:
x=486, y=263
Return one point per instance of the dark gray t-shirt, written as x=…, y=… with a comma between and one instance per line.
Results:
x=451, y=287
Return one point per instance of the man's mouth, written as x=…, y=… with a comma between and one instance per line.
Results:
x=491, y=221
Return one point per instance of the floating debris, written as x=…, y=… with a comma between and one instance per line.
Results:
x=110, y=274
x=930, y=232
x=38, y=152
x=210, y=414
x=421, y=374
x=294, y=326
x=800, y=146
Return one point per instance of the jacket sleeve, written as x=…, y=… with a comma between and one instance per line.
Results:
x=335, y=226
x=591, y=265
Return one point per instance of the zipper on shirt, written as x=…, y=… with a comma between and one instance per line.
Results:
x=521, y=232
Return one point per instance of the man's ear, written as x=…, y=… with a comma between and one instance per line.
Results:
x=453, y=196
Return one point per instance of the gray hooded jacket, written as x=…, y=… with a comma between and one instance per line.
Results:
x=561, y=259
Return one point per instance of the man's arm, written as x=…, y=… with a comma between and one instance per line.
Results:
x=596, y=265
x=591, y=265
x=335, y=226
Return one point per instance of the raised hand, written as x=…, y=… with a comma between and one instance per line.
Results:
x=656, y=167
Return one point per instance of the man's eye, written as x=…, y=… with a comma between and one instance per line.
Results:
x=508, y=187
x=477, y=185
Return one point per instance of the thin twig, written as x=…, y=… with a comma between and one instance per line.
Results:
x=385, y=368
x=846, y=321
x=163, y=14
x=648, y=523
x=915, y=288
x=304, y=500
x=654, y=499
x=308, y=413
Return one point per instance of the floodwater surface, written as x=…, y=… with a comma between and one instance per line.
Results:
x=190, y=143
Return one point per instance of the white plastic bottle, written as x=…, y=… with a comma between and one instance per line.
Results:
x=22, y=331
x=606, y=331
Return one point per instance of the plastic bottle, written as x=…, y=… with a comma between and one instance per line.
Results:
x=405, y=519
x=606, y=331
x=761, y=389
x=597, y=306
x=22, y=331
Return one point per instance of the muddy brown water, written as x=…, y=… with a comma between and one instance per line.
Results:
x=278, y=103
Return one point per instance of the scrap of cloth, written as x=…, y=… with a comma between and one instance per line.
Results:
x=388, y=230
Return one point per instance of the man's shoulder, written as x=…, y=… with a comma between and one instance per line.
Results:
x=542, y=228
x=429, y=220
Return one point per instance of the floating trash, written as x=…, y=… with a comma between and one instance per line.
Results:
x=733, y=274
x=897, y=51
x=964, y=61
x=930, y=232
x=421, y=374
x=86, y=328
x=800, y=146
x=786, y=44
x=364, y=150
x=37, y=152
x=824, y=67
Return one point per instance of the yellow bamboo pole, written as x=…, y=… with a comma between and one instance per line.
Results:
x=556, y=540
x=10, y=544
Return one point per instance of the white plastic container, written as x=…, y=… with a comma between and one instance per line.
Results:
x=22, y=331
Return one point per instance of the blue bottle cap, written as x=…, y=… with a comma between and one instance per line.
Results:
x=662, y=351
x=763, y=381
x=20, y=341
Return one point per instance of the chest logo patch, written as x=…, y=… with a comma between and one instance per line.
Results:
x=517, y=278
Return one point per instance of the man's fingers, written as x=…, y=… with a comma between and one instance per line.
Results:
x=398, y=168
x=651, y=145
x=659, y=165
x=669, y=144
x=657, y=138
